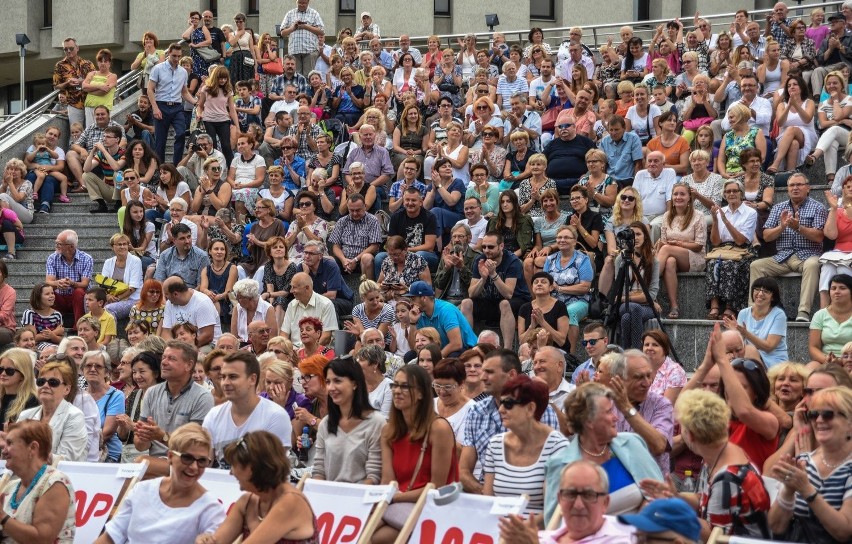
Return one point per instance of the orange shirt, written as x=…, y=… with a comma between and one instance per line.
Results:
x=672, y=153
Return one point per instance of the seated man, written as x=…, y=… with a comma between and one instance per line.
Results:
x=623, y=151
x=474, y=220
x=497, y=288
x=80, y=148
x=191, y=166
x=273, y=138
x=356, y=238
x=69, y=271
x=410, y=167
x=665, y=520
x=455, y=331
x=549, y=365
x=183, y=259
x=139, y=125
x=452, y=280
x=258, y=337
x=374, y=337
x=307, y=303
x=417, y=225
x=185, y=305
x=566, y=153
x=595, y=339
x=103, y=161
x=797, y=224
x=326, y=277
x=654, y=185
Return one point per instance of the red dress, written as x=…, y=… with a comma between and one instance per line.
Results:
x=757, y=448
x=405, y=455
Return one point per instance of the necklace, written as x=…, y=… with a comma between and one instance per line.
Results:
x=14, y=501
x=824, y=462
x=587, y=452
x=716, y=462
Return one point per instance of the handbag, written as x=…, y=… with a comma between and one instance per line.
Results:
x=208, y=53
x=548, y=118
x=273, y=68
x=248, y=61
x=111, y=285
x=129, y=453
x=727, y=252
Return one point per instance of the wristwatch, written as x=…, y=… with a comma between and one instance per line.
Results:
x=632, y=412
x=812, y=497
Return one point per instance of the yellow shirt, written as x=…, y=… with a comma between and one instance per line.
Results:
x=108, y=326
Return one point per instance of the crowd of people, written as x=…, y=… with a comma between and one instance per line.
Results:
x=301, y=284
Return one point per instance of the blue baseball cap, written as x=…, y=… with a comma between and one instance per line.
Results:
x=420, y=289
x=666, y=515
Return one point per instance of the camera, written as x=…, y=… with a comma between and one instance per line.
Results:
x=626, y=240
x=196, y=147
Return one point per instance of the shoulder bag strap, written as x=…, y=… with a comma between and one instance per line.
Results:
x=420, y=458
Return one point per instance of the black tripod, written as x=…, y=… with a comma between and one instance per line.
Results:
x=620, y=291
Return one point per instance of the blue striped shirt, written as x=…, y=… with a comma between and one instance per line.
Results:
x=80, y=267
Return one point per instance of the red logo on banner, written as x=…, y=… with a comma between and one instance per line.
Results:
x=346, y=530
x=99, y=506
x=454, y=535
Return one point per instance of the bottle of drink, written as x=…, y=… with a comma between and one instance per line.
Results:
x=688, y=485
x=304, y=445
x=119, y=179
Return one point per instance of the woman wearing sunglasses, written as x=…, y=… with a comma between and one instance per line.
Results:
x=176, y=505
x=17, y=385
x=213, y=192
x=68, y=424
x=814, y=504
x=626, y=210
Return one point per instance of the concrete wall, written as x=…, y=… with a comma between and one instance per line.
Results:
x=469, y=15
x=99, y=24
x=582, y=12
x=19, y=16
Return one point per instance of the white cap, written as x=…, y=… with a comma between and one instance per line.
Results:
x=366, y=14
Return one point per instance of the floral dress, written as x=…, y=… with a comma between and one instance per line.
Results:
x=280, y=282
x=525, y=195
x=447, y=79
x=319, y=227
x=411, y=270
x=734, y=145
x=199, y=65
x=151, y=316
x=696, y=232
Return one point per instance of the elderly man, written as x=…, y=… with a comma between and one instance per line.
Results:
x=797, y=224
x=185, y=305
x=302, y=26
x=497, y=288
x=583, y=520
x=368, y=29
x=170, y=404
x=326, y=277
x=575, y=57
x=167, y=90
x=452, y=280
x=288, y=78
x=488, y=337
x=102, y=162
x=549, y=365
x=405, y=47
x=284, y=102
x=595, y=339
x=93, y=135
x=639, y=411
x=778, y=24
x=730, y=90
x=376, y=160
x=654, y=185
x=835, y=51
x=509, y=84
x=69, y=271
x=381, y=56
x=228, y=342
x=566, y=153
x=756, y=43
x=307, y=303
x=258, y=337
x=191, y=166
x=521, y=119
x=356, y=238
x=183, y=259
x=375, y=337
x=68, y=76
x=178, y=208
x=456, y=333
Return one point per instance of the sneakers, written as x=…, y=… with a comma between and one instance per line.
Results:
x=9, y=257
x=45, y=208
x=100, y=208
x=803, y=318
x=64, y=199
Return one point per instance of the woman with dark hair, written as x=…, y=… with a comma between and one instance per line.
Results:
x=795, y=118
x=831, y=327
x=536, y=39
x=354, y=454
x=764, y=324
x=634, y=67
x=515, y=226
x=218, y=278
x=418, y=447
x=446, y=199
x=244, y=56
x=213, y=192
x=451, y=403
x=474, y=387
x=307, y=225
x=514, y=460
x=372, y=360
x=635, y=312
x=197, y=36
x=277, y=275
x=401, y=268
x=171, y=186
x=428, y=357
x=272, y=508
x=141, y=158
x=146, y=373
x=671, y=144
x=246, y=175
x=669, y=377
x=140, y=231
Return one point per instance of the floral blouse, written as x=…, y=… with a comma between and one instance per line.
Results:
x=319, y=227
x=525, y=195
x=670, y=374
x=411, y=270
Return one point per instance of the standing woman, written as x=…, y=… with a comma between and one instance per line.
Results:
x=795, y=118
x=99, y=86
x=515, y=226
x=126, y=268
x=681, y=244
x=466, y=59
x=197, y=37
x=268, y=65
x=835, y=121
x=17, y=384
x=418, y=447
x=149, y=57
x=348, y=446
x=448, y=76
x=96, y=369
x=216, y=108
x=244, y=53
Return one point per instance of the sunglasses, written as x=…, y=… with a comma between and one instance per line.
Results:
x=808, y=391
x=52, y=382
x=9, y=371
x=131, y=179
x=748, y=364
x=588, y=496
x=481, y=107
x=827, y=415
x=68, y=49
x=508, y=403
x=591, y=341
x=563, y=126
x=287, y=147
x=216, y=168
x=628, y=198
x=489, y=246
x=187, y=459
x=305, y=204
x=488, y=135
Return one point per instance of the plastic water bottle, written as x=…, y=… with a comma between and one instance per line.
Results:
x=119, y=179
x=688, y=485
x=304, y=445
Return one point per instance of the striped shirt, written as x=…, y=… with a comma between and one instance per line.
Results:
x=41, y=322
x=506, y=89
x=80, y=267
x=835, y=489
x=353, y=237
x=512, y=480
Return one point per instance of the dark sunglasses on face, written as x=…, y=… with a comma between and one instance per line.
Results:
x=305, y=204
x=9, y=371
x=488, y=247
x=52, y=382
x=508, y=403
x=591, y=341
x=187, y=459
x=563, y=126
x=748, y=364
x=628, y=198
x=216, y=168
x=827, y=415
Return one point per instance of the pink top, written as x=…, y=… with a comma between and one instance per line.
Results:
x=844, y=232
x=216, y=107
x=8, y=214
x=669, y=375
x=7, y=307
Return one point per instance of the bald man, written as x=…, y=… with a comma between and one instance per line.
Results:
x=654, y=185
x=307, y=303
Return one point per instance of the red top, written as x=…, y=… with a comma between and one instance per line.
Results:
x=757, y=448
x=405, y=455
x=844, y=232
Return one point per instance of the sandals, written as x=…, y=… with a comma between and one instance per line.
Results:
x=713, y=314
x=772, y=170
x=674, y=313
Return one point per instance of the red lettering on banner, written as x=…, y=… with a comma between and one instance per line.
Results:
x=453, y=535
x=99, y=505
x=333, y=533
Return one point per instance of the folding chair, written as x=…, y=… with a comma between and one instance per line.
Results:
x=333, y=502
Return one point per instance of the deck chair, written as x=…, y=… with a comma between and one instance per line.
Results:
x=718, y=536
x=347, y=512
x=449, y=510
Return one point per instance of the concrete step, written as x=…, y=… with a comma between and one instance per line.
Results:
x=50, y=230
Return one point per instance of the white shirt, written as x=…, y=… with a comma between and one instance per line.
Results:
x=763, y=115
x=166, y=231
x=477, y=230
x=132, y=272
x=381, y=398
x=318, y=306
x=266, y=416
x=86, y=404
x=558, y=395
x=199, y=311
x=458, y=419
x=283, y=105
x=643, y=126
x=655, y=192
x=744, y=220
x=243, y=320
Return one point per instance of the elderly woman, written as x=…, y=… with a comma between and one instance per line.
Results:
x=831, y=327
x=813, y=504
x=146, y=374
x=41, y=508
x=68, y=424
x=681, y=246
x=176, y=505
x=126, y=268
x=515, y=460
x=531, y=190
x=16, y=190
x=372, y=360
x=730, y=492
x=357, y=184
x=484, y=115
x=267, y=227
x=741, y=137
x=250, y=308
x=96, y=369
x=451, y=403
x=278, y=387
x=213, y=192
x=401, y=268
x=698, y=108
x=601, y=187
x=786, y=385
x=246, y=176
x=310, y=333
x=312, y=379
x=592, y=417
x=758, y=186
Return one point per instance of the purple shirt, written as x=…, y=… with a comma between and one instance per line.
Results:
x=376, y=162
x=656, y=410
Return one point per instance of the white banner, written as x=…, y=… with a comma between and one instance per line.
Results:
x=468, y=518
x=342, y=509
x=223, y=485
x=97, y=487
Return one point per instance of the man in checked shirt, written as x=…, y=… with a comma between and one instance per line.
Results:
x=356, y=238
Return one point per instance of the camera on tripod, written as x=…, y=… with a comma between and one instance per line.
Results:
x=625, y=239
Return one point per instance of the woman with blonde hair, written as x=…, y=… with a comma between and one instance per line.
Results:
x=772, y=73
x=409, y=138
x=483, y=116
x=372, y=313
x=835, y=121
x=277, y=386
x=17, y=384
x=216, y=108
x=741, y=137
x=786, y=389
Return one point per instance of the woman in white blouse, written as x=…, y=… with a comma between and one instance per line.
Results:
x=448, y=379
x=126, y=268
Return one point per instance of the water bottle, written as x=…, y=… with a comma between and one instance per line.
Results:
x=304, y=445
x=688, y=485
x=119, y=179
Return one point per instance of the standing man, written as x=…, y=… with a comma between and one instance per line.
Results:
x=69, y=272
x=217, y=37
x=778, y=24
x=68, y=76
x=166, y=90
x=302, y=26
x=243, y=410
x=369, y=30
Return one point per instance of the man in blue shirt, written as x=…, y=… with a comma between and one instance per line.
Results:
x=456, y=333
x=623, y=152
x=328, y=280
x=166, y=90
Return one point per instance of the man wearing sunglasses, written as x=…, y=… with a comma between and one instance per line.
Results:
x=595, y=340
x=191, y=166
x=566, y=153
x=68, y=76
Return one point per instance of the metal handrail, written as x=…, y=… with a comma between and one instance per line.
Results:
x=22, y=119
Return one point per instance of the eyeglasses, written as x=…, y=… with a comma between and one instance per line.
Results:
x=482, y=91
x=628, y=198
x=448, y=387
x=94, y=366
x=288, y=147
x=748, y=364
x=216, y=168
x=732, y=191
x=401, y=386
x=187, y=459
x=52, y=382
x=827, y=415
x=8, y=370
x=588, y=496
x=481, y=107
x=575, y=198
x=563, y=126
x=508, y=403
x=489, y=246
x=763, y=290
x=305, y=378
x=591, y=341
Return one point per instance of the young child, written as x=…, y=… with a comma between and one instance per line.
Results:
x=76, y=130
x=247, y=106
x=46, y=321
x=42, y=156
x=61, y=107
x=401, y=328
x=704, y=140
x=661, y=100
x=96, y=302
x=606, y=109
x=12, y=229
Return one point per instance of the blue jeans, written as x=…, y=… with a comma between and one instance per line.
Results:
x=173, y=116
x=563, y=185
x=429, y=256
x=48, y=188
x=633, y=318
x=152, y=214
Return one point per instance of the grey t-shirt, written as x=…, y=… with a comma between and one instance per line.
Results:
x=189, y=406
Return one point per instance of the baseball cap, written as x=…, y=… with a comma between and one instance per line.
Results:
x=366, y=14
x=836, y=16
x=666, y=515
x=420, y=289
